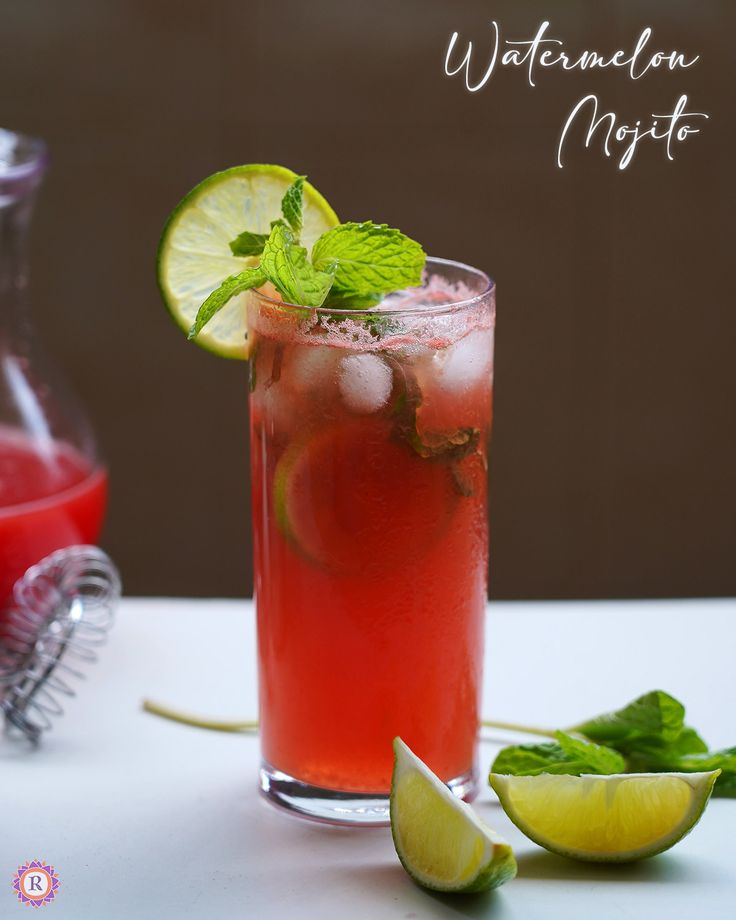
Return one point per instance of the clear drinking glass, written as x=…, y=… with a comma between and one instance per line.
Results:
x=52, y=484
x=369, y=434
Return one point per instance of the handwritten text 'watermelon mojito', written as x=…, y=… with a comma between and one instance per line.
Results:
x=616, y=139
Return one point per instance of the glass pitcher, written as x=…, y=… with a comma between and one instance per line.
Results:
x=53, y=485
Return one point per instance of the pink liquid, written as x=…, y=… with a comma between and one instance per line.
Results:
x=48, y=500
x=371, y=559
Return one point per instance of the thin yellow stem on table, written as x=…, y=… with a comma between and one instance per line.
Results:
x=186, y=718
x=220, y=725
x=514, y=727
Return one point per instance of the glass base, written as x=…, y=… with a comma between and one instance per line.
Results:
x=330, y=806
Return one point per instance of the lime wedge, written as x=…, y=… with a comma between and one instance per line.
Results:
x=440, y=841
x=615, y=818
x=194, y=254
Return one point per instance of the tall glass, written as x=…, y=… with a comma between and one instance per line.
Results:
x=369, y=434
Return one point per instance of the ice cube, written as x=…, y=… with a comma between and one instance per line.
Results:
x=311, y=367
x=274, y=408
x=365, y=383
x=468, y=361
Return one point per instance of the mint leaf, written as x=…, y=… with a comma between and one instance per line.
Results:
x=528, y=759
x=378, y=324
x=287, y=267
x=724, y=760
x=292, y=204
x=664, y=760
x=369, y=258
x=567, y=755
x=352, y=302
x=592, y=758
x=248, y=244
x=650, y=734
x=654, y=754
x=655, y=715
x=725, y=787
x=455, y=445
x=687, y=742
x=381, y=324
x=230, y=287
x=443, y=445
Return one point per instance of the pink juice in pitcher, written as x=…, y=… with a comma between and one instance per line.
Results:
x=52, y=485
x=48, y=499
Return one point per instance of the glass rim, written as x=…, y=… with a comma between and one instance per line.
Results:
x=489, y=288
x=32, y=160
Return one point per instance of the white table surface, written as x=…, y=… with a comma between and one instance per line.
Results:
x=147, y=819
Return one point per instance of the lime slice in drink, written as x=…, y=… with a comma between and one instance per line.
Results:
x=380, y=480
x=194, y=254
x=440, y=841
x=616, y=818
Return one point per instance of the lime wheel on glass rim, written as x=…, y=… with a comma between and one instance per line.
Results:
x=194, y=253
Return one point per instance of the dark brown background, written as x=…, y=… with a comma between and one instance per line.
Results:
x=614, y=451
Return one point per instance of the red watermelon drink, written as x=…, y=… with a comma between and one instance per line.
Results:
x=370, y=410
x=368, y=459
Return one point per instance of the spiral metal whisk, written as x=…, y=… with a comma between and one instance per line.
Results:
x=64, y=607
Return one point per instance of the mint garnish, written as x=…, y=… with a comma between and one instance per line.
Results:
x=287, y=267
x=352, y=266
x=647, y=736
x=248, y=244
x=292, y=204
x=369, y=258
x=230, y=287
x=354, y=302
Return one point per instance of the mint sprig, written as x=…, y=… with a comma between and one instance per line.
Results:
x=292, y=205
x=248, y=244
x=230, y=287
x=287, y=267
x=369, y=258
x=648, y=735
x=352, y=266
